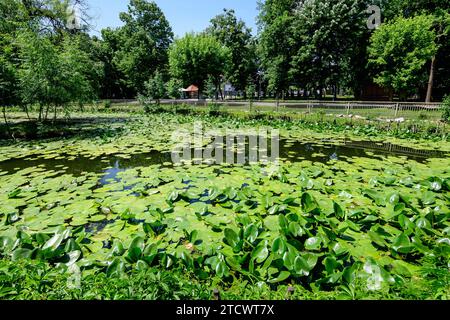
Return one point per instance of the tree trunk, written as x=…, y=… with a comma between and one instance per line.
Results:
x=54, y=115
x=26, y=110
x=40, y=113
x=319, y=93
x=430, y=80
x=278, y=101
x=6, y=121
x=46, y=112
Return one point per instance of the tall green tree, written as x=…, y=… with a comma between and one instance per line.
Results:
x=143, y=43
x=235, y=35
x=196, y=57
x=439, y=12
x=326, y=35
x=400, y=51
x=50, y=75
x=115, y=84
x=275, y=46
x=43, y=17
x=11, y=20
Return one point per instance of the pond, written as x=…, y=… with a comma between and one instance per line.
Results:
x=341, y=204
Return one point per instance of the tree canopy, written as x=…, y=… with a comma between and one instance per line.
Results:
x=142, y=43
x=400, y=50
x=51, y=75
x=235, y=35
x=196, y=57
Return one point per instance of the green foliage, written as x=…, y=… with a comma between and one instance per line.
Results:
x=404, y=8
x=26, y=280
x=142, y=43
x=234, y=34
x=312, y=44
x=8, y=73
x=53, y=75
x=107, y=104
x=423, y=116
x=400, y=50
x=173, y=88
x=361, y=225
x=155, y=88
x=326, y=40
x=275, y=50
x=446, y=109
x=195, y=58
x=305, y=242
x=214, y=109
x=211, y=89
x=250, y=92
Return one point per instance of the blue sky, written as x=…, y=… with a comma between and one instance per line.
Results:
x=183, y=15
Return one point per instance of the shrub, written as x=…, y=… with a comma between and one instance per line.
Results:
x=147, y=104
x=155, y=88
x=107, y=104
x=214, y=109
x=423, y=116
x=446, y=109
x=184, y=109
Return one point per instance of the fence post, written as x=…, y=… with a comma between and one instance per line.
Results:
x=348, y=108
x=396, y=110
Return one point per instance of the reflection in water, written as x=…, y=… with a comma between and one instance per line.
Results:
x=81, y=164
x=290, y=150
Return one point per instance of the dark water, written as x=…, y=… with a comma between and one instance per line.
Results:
x=349, y=148
x=83, y=164
x=290, y=150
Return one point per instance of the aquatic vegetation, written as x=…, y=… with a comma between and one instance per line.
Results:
x=326, y=219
